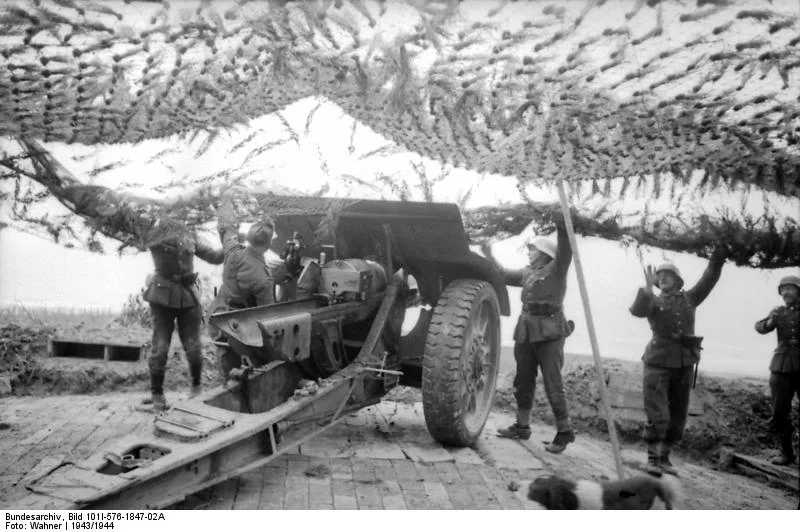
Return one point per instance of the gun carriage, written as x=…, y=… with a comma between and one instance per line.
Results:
x=339, y=322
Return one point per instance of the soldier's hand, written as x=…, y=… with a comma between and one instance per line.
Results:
x=773, y=315
x=225, y=203
x=649, y=277
x=233, y=190
x=486, y=249
x=558, y=217
x=226, y=215
x=720, y=253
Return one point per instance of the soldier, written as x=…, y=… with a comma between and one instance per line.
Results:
x=671, y=356
x=246, y=280
x=784, y=380
x=172, y=292
x=540, y=333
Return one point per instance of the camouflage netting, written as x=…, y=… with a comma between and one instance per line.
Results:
x=594, y=90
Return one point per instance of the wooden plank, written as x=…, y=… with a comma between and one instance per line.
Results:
x=788, y=477
x=758, y=473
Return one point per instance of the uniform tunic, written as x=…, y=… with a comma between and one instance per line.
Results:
x=543, y=291
x=173, y=284
x=668, y=363
x=786, y=357
x=672, y=316
x=785, y=365
x=246, y=281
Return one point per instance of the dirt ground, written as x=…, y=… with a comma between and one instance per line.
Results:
x=734, y=410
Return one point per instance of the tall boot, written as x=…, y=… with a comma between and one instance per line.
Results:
x=666, y=465
x=787, y=452
x=196, y=372
x=156, y=399
x=653, y=465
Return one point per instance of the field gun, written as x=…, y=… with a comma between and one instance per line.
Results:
x=339, y=337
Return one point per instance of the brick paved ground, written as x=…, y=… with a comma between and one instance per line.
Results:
x=379, y=458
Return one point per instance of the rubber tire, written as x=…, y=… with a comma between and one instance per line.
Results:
x=446, y=356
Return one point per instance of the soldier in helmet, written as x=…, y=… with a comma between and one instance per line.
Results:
x=671, y=356
x=784, y=380
x=246, y=279
x=540, y=333
x=172, y=293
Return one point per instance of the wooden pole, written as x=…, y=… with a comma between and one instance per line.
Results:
x=598, y=361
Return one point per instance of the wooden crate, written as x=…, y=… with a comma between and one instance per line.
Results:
x=70, y=348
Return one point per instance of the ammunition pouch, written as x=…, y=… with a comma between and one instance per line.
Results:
x=691, y=342
x=189, y=279
x=541, y=308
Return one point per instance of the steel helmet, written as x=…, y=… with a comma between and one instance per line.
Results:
x=669, y=267
x=543, y=244
x=789, y=279
x=260, y=233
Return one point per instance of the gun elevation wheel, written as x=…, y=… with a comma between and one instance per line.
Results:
x=460, y=362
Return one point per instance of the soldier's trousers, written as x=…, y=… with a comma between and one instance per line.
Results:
x=549, y=357
x=666, y=402
x=783, y=387
x=189, y=321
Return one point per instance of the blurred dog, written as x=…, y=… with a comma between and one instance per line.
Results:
x=635, y=493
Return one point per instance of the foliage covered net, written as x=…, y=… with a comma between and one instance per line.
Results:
x=702, y=96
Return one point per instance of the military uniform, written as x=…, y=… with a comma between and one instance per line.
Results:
x=540, y=333
x=172, y=292
x=246, y=282
x=784, y=381
x=671, y=354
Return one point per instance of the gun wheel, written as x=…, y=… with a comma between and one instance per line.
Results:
x=460, y=362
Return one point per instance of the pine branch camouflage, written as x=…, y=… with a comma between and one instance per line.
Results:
x=577, y=91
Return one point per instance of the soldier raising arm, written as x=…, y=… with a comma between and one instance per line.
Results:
x=540, y=333
x=246, y=280
x=672, y=353
x=172, y=293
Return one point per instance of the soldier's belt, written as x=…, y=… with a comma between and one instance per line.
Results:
x=691, y=342
x=541, y=308
x=186, y=279
x=686, y=340
x=189, y=279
